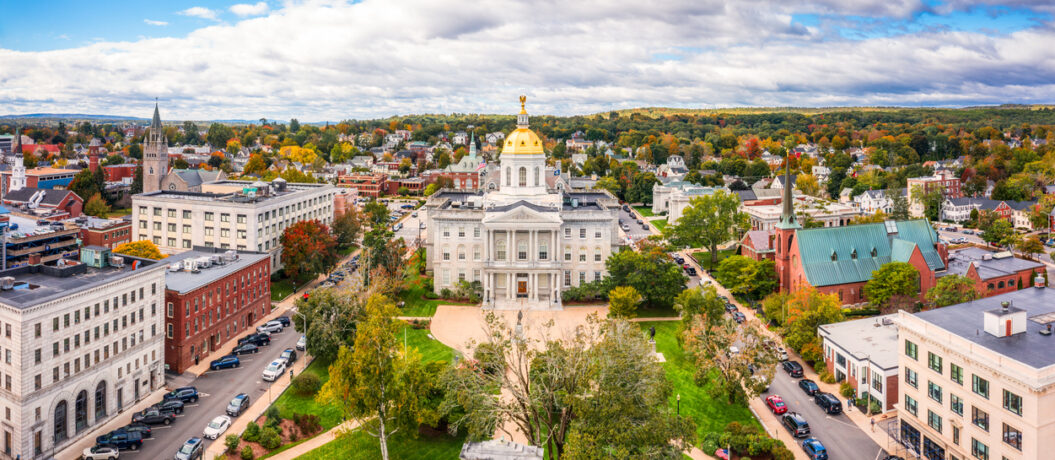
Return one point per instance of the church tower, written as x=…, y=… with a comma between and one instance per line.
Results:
x=523, y=162
x=155, y=155
x=785, y=232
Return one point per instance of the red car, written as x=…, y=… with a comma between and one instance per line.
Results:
x=776, y=404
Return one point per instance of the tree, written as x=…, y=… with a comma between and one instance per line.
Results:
x=640, y=189
x=699, y=301
x=805, y=310
x=308, y=249
x=623, y=301
x=29, y=160
x=893, y=287
x=376, y=213
x=807, y=184
x=997, y=232
x=328, y=318
x=218, y=135
x=378, y=382
x=1030, y=246
x=143, y=248
x=774, y=306
x=898, y=205
x=727, y=373
x=649, y=271
x=84, y=184
x=746, y=276
x=878, y=217
x=137, y=181
x=608, y=183
x=709, y=220
x=96, y=206
x=951, y=290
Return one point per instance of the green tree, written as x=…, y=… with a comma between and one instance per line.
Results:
x=378, y=382
x=951, y=290
x=96, y=206
x=328, y=319
x=723, y=353
x=774, y=306
x=218, y=135
x=898, y=205
x=649, y=271
x=623, y=301
x=746, y=276
x=998, y=232
x=346, y=227
x=376, y=213
x=308, y=249
x=893, y=287
x=137, y=181
x=1030, y=246
x=84, y=184
x=709, y=221
x=699, y=301
x=608, y=183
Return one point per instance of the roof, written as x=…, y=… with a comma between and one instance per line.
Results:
x=961, y=260
x=817, y=245
x=51, y=197
x=196, y=177
x=1030, y=348
x=874, y=339
x=759, y=240
x=184, y=281
x=52, y=282
x=526, y=204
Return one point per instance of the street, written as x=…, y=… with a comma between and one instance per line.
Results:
x=216, y=389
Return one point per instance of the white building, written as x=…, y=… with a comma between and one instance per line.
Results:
x=873, y=201
x=526, y=241
x=231, y=214
x=828, y=213
x=864, y=352
x=673, y=197
x=81, y=343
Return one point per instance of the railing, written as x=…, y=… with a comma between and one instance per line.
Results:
x=522, y=264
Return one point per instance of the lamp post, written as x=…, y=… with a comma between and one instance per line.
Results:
x=679, y=403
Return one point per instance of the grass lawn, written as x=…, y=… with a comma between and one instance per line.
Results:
x=281, y=289
x=343, y=252
x=645, y=211
x=659, y=224
x=711, y=415
x=290, y=403
x=430, y=349
x=360, y=445
x=119, y=212
x=414, y=297
x=704, y=257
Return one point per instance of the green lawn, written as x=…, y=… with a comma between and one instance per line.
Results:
x=414, y=296
x=430, y=349
x=660, y=224
x=711, y=415
x=360, y=445
x=343, y=252
x=281, y=289
x=704, y=257
x=119, y=212
x=289, y=402
x=645, y=211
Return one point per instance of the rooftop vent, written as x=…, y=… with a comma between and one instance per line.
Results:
x=1046, y=330
x=987, y=256
x=117, y=261
x=1038, y=282
x=7, y=283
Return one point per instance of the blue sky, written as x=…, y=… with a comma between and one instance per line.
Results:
x=334, y=59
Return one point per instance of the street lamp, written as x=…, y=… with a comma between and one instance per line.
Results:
x=679, y=403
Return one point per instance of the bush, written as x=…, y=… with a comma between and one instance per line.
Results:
x=782, y=453
x=307, y=423
x=252, y=432
x=826, y=376
x=445, y=293
x=270, y=439
x=431, y=295
x=431, y=288
x=247, y=453
x=847, y=390
x=231, y=441
x=272, y=413
x=874, y=408
x=306, y=384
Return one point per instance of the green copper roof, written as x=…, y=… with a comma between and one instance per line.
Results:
x=852, y=248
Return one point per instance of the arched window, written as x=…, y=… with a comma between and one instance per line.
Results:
x=500, y=250
x=1000, y=285
x=523, y=176
x=788, y=247
x=853, y=255
x=1011, y=283
x=522, y=248
x=509, y=176
x=80, y=412
x=990, y=286
x=60, y=422
x=100, y=400
x=536, y=176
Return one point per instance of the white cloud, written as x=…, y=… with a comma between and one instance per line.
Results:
x=328, y=60
x=245, y=9
x=155, y=23
x=199, y=12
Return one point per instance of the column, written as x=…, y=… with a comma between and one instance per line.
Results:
x=534, y=286
x=510, y=250
x=487, y=245
x=553, y=248
x=509, y=285
x=533, y=250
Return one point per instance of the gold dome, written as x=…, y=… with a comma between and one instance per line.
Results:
x=522, y=141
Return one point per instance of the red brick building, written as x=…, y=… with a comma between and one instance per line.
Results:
x=343, y=201
x=758, y=245
x=212, y=296
x=117, y=173
x=60, y=204
x=108, y=233
x=993, y=272
x=414, y=186
x=372, y=185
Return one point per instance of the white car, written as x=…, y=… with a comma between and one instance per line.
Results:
x=302, y=342
x=270, y=327
x=100, y=453
x=216, y=427
x=274, y=370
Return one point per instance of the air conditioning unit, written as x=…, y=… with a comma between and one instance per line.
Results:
x=117, y=261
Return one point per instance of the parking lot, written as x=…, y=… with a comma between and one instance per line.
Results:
x=636, y=232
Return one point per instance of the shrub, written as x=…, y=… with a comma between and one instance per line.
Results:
x=826, y=376
x=252, y=432
x=874, y=408
x=247, y=453
x=431, y=295
x=862, y=403
x=782, y=453
x=846, y=389
x=231, y=441
x=429, y=286
x=308, y=423
x=293, y=434
x=445, y=293
x=272, y=413
x=269, y=438
x=306, y=384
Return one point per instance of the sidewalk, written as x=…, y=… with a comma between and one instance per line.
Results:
x=316, y=442
x=122, y=418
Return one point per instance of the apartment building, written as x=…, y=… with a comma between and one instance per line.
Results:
x=863, y=352
x=979, y=378
x=230, y=214
x=81, y=342
x=943, y=181
x=211, y=297
x=108, y=233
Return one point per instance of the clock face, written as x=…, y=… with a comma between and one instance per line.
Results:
x=172, y=186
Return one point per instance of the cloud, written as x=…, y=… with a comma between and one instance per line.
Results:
x=199, y=12
x=245, y=9
x=373, y=59
x=155, y=23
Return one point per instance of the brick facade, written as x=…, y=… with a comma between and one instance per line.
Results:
x=107, y=237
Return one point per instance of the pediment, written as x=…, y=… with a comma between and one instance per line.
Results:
x=522, y=214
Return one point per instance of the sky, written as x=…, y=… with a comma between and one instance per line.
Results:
x=319, y=60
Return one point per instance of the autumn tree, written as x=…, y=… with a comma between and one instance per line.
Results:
x=1030, y=246
x=308, y=249
x=346, y=227
x=807, y=184
x=709, y=221
x=623, y=301
x=96, y=206
x=951, y=290
x=806, y=309
x=726, y=371
x=143, y=248
x=893, y=287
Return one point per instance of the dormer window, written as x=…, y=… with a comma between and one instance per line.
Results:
x=874, y=252
x=853, y=254
x=834, y=256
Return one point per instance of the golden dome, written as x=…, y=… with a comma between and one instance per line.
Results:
x=522, y=141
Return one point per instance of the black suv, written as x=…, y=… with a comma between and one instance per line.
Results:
x=153, y=417
x=130, y=441
x=172, y=405
x=284, y=320
x=256, y=339
x=792, y=368
x=828, y=402
x=796, y=424
x=185, y=394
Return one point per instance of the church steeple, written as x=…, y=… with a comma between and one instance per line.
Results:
x=17, y=147
x=472, y=146
x=155, y=154
x=787, y=215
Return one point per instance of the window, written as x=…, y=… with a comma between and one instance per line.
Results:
x=1013, y=402
x=597, y=254
x=522, y=250
x=934, y=391
x=224, y=217
x=911, y=377
x=877, y=381
x=910, y=405
x=956, y=404
x=567, y=232
x=980, y=386
x=979, y=418
x=582, y=254
x=597, y=234
x=461, y=232
x=934, y=362
x=1012, y=437
x=500, y=250
x=157, y=212
x=934, y=420
x=955, y=435
x=979, y=450
x=582, y=233
x=208, y=216
x=911, y=350
x=446, y=232
x=567, y=254
x=476, y=253
x=522, y=177
x=172, y=213
x=461, y=253
x=241, y=218
x=582, y=278
x=186, y=214
x=543, y=251
x=597, y=276
x=956, y=373
x=476, y=232
x=567, y=278
x=536, y=176
x=172, y=227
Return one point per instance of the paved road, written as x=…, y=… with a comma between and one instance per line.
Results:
x=217, y=389
x=843, y=439
x=636, y=232
x=412, y=227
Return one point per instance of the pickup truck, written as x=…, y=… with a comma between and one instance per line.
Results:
x=153, y=417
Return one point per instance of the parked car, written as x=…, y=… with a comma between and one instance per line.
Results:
x=171, y=405
x=739, y=317
x=185, y=394
x=257, y=339
x=286, y=322
x=238, y=405
x=626, y=228
x=730, y=307
x=809, y=387
x=100, y=453
x=193, y=449
x=141, y=428
x=245, y=348
x=793, y=368
x=691, y=271
x=782, y=354
x=302, y=343
x=828, y=402
x=814, y=449
x=130, y=441
x=274, y=370
x=217, y=427
x=796, y=424
x=288, y=355
x=153, y=417
x=776, y=404
x=270, y=327
x=225, y=362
